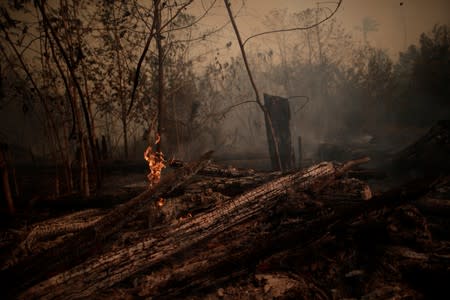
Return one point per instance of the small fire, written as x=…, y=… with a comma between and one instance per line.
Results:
x=160, y=202
x=156, y=163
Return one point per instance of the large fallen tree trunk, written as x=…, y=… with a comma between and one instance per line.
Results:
x=242, y=249
x=160, y=246
x=90, y=240
x=227, y=242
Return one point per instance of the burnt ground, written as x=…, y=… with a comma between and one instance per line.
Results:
x=426, y=159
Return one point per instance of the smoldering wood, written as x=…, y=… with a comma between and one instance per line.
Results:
x=204, y=262
x=89, y=241
x=201, y=239
x=153, y=250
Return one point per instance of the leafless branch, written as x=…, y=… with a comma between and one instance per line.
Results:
x=206, y=11
x=296, y=28
x=139, y=65
x=303, y=105
x=252, y=81
x=230, y=108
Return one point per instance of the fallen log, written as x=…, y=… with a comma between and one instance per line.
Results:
x=346, y=190
x=159, y=246
x=218, y=170
x=237, y=251
x=230, y=186
x=90, y=240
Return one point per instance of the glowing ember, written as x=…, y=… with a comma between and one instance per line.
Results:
x=156, y=163
x=160, y=202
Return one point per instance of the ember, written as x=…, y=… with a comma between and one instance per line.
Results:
x=156, y=163
x=160, y=202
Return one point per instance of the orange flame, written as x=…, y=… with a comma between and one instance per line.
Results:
x=156, y=163
x=160, y=202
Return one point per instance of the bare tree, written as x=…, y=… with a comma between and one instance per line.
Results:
x=252, y=81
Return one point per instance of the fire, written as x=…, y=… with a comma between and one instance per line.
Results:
x=156, y=163
x=160, y=202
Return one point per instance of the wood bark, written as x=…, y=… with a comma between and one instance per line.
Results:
x=287, y=223
x=156, y=247
x=90, y=241
x=161, y=246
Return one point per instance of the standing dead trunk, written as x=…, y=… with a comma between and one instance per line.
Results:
x=125, y=137
x=5, y=178
x=157, y=15
x=278, y=109
x=67, y=163
x=84, y=178
x=267, y=116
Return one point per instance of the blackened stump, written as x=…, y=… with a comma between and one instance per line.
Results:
x=278, y=109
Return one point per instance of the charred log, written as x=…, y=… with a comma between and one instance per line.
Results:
x=89, y=241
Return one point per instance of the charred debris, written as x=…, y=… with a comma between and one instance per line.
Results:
x=209, y=231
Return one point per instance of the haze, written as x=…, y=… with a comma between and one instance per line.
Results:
x=414, y=16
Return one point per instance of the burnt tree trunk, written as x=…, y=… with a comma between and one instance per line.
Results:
x=278, y=109
x=157, y=247
x=90, y=241
x=6, y=187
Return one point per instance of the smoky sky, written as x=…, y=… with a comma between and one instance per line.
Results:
x=397, y=19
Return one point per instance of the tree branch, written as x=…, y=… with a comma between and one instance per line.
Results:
x=296, y=28
x=252, y=81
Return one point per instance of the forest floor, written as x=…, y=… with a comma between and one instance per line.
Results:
x=397, y=248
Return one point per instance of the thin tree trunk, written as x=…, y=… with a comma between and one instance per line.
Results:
x=255, y=89
x=67, y=165
x=5, y=181
x=157, y=16
x=84, y=178
x=73, y=76
x=125, y=137
x=319, y=44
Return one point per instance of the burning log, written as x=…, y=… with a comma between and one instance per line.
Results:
x=156, y=163
x=163, y=244
x=89, y=241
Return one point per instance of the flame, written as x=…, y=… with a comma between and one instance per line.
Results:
x=156, y=163
x=160, y=202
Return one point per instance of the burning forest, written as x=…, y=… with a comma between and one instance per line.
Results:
x=224, y=150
